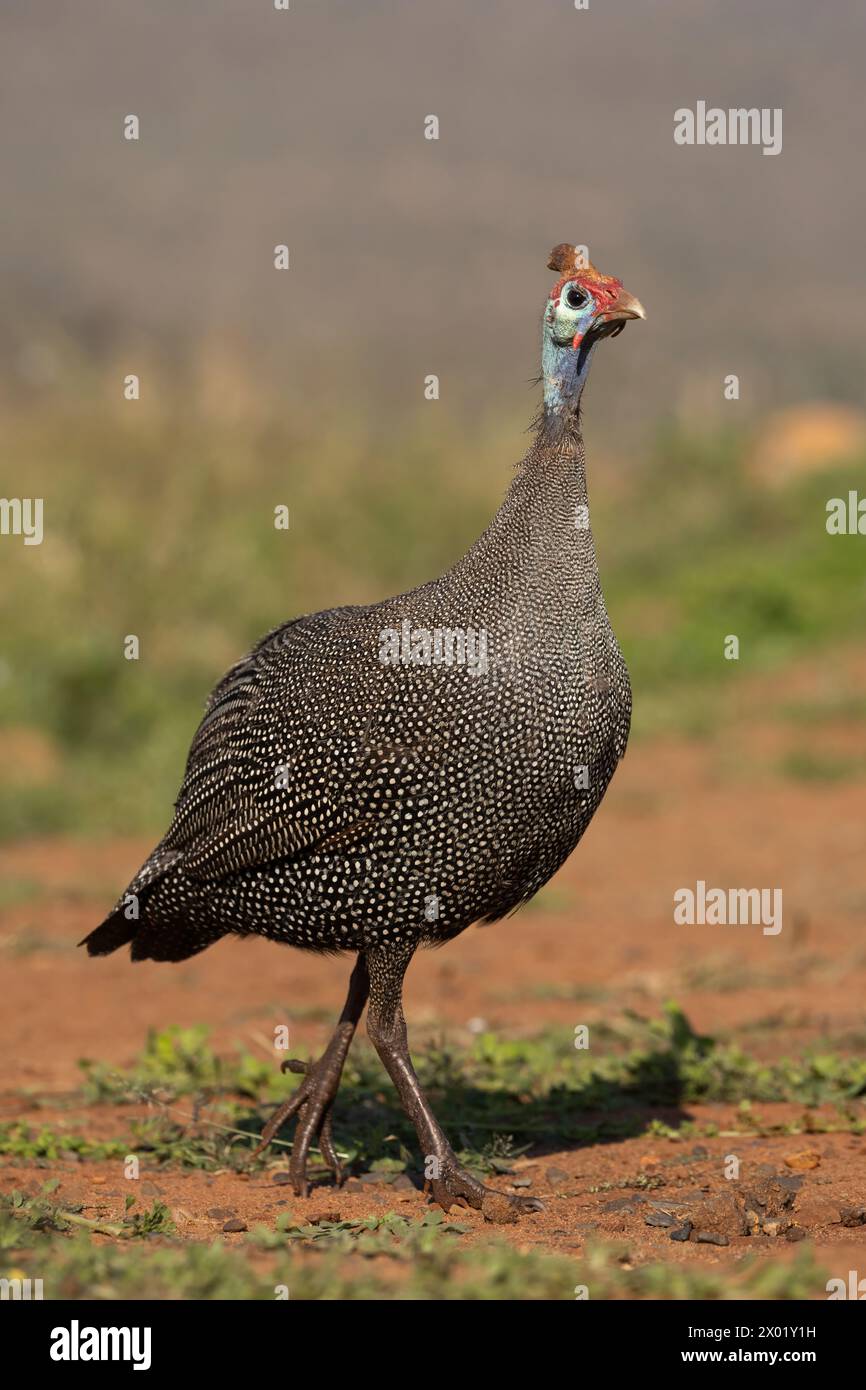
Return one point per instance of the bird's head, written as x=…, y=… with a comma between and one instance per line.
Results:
x=583, y=307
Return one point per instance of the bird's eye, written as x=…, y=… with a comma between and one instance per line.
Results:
x=575, y=298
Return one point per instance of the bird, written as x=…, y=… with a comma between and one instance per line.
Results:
x=373, y=779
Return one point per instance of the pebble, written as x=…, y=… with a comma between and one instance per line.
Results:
x=626, y=1204
x=235, y=1225
x=710, y=1238
x=773, y=1228
x=682, y=1232
x=814, y=1210
x=660, y=1218
x=557, y=1177
x=403, y=1183
x=803, y=1160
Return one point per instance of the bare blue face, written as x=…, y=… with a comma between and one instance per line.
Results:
x=570, y=314
x=581, y=310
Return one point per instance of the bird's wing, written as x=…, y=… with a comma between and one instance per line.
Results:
x=268, y=775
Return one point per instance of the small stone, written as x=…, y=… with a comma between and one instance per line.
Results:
x=231, y=1227
x=625, y=1204
x=403, y=1183
x=789, y=1185
x=682, y=1232
x=522, y=1182
x=282, y=1178
x=814, y=1210
x=773, y=1227
x=753, y=1221
x=768, y=1195
x=660, y=1218
x=353, y=1185
x=722, y=1213
x=557, y=1177
x=324, y=1216
x=853, y=1216
x=795, y=1233
x=221, y=1213
x=710, y=1238
x=803, y=1161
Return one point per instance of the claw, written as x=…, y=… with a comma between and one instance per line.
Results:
x=313, y=1104
x=281, y=1114
x=457, y=1185
x=529, y=1203
x=327, y=1149
x=294, y=1064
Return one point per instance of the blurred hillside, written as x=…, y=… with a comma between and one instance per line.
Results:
x=411, y=256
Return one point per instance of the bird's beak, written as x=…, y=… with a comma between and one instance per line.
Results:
x=624, y=307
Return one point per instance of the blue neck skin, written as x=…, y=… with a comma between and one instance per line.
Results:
x=564, y=370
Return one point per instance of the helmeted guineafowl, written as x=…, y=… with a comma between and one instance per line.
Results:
x=374, y=779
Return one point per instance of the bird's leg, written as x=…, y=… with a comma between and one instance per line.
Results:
x=386, y=1026
x=313, y=1101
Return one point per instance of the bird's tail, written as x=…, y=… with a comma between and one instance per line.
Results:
x=124, y=921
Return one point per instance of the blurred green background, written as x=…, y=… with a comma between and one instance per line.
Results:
x=172, y=539
x=410, y=257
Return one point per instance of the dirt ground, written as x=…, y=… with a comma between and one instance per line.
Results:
x=676, y=813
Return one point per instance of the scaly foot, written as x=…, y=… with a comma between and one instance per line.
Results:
x=313, y=1103
x=455, y=1184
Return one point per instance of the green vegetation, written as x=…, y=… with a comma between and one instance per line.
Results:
x=386, y=1258
x=498, y=1098
x=162, y=527
x=805, y=766
x=41, y=1214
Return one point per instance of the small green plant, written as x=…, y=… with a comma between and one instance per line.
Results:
x=39, y=1213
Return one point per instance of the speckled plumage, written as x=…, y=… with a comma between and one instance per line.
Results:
x=333, y=800
x=372, y=779
x=417, y=798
